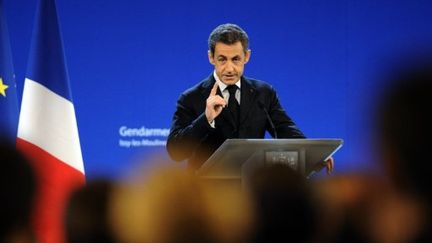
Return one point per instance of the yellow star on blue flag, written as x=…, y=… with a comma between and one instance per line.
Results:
x=3, y=88
x=8, y=96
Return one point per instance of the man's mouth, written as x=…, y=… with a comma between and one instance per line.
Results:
x=230, y=76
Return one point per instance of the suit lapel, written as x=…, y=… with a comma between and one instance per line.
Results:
x=248, y=95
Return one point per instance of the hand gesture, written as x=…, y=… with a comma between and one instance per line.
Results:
x=214, y=104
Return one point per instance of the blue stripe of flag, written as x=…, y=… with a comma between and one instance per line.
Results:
x=47, y=63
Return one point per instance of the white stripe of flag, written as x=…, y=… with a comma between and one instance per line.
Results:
x=48, y=121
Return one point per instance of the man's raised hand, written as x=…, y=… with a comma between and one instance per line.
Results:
x=214, y=104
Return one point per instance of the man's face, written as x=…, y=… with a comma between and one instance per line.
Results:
x=229, y=61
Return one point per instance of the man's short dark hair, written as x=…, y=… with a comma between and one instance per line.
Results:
x=228, y=34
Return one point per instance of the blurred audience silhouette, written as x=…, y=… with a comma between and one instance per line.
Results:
x=87, y=215
x=174, y=206
x=17, y=189
x=285, y=210
x=404, y=130
x=394, y=207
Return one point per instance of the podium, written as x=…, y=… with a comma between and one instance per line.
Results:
x=236, y=159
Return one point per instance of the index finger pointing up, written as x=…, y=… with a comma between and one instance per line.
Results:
x=214, y=89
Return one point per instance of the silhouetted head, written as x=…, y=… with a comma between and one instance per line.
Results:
x=17, y=190
x=284, y=206
x=405, y=128
x=87, y=214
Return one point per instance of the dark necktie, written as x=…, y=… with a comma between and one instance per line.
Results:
x=233, y=104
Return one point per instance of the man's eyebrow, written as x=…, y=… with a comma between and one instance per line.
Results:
x=234, y=57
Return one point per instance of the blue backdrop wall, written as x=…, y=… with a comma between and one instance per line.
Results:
x=129, y=61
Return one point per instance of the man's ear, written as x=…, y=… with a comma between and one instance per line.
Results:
x=247, y=56
x=211, y=57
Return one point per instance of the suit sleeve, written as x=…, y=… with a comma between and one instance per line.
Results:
x=188, y=129
x=284, y=125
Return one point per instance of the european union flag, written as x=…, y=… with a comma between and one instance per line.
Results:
x=8, y=96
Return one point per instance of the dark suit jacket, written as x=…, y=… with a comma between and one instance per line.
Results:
x=191, y=136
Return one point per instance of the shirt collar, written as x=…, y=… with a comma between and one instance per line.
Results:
x=221, y=84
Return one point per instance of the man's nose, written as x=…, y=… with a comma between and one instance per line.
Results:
x=229, y=67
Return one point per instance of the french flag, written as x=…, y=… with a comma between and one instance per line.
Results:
x=47, y=128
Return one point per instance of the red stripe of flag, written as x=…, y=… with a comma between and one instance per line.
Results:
x=56, y=181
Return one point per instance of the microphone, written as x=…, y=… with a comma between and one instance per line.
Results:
x=261, y=105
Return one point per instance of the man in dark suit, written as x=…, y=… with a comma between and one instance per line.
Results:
x=226, y=104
